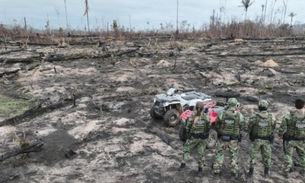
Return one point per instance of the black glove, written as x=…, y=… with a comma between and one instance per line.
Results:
x=188, y=135
x=205, y=110
x=251, y=136
x=240, y=137
x=204, y=135
x=271, y=138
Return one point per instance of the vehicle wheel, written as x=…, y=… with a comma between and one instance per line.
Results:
x=182, y=132
x=171, y=118
x=153, y=114
x=213, y=137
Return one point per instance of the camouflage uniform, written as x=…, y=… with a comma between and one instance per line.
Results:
x=292, y=130
x=198, y=134
x=261, y=128
x=228, y=125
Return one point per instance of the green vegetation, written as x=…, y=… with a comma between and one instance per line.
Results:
x=121, y=161
x=261, y=92
x=267, y=87
x=13, y=108
x=286, y=59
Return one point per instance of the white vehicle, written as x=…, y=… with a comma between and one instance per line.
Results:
x=171, y=104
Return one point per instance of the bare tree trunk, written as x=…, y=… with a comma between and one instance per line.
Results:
x=87, y=13
x=66, y=15
x=88, y=22
x=177, y=29
x=285, y=10
x=25, y=25
x=265, y=12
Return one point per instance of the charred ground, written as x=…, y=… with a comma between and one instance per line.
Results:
x=90, y=104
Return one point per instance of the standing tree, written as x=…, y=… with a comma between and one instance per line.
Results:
x=262, y=16
x=246, y=4
x=25, y=25
x=177, y=30
x=87, y=13
x=66, y=14
x=222, y=10
x=265, y=11
x=285, y=9
x=272, y=10
x=291, y=15
x=57, y=12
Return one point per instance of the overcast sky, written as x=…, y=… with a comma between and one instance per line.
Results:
x=138, y=14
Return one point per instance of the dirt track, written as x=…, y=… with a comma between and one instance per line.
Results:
x=104, y=136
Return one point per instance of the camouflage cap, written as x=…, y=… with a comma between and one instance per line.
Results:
x=263, y=104
x=232, y=102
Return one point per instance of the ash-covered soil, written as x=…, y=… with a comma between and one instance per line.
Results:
x=104, y=136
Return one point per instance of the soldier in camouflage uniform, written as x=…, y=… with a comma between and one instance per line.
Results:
x=292, y=130
x=261, y=128
x=198, y=126
x=228, y=126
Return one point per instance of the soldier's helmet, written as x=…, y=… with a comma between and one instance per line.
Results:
x=263, y=104
x=232, y=102
x=199, y=106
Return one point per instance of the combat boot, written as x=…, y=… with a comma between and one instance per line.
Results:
x=234, y=174
x=266, y=172
x=250, y=172
x=285, y=174
x=216, y=174
x=302, y=173
x=200, y=173
x=182, y=166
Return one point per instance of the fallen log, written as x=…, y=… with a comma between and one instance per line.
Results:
x=251, y=98
x=127, y=52
x=219, y=54
x=60, y=57
x=227, y=94
x=11, y=51
x=2, y=73
x=162, y=135
x=17, y=60
x=36, y=147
